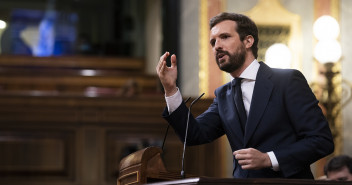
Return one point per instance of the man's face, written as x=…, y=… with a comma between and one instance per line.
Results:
x=229, y=50
x=340, y=175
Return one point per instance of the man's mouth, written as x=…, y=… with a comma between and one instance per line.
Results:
x=220, y=57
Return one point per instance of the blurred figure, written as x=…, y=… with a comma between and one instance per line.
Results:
x=84, y=45
x=129, y=89
x=339, y=168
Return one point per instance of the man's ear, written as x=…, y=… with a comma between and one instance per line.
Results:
x=249, y=40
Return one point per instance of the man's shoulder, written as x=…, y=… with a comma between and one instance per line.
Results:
x=287, y=73
x=279, y=72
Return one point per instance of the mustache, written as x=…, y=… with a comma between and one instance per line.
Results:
x=221, y=52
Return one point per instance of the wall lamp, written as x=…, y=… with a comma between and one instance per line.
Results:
x=327, y=52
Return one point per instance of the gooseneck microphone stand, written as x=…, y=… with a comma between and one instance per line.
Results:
x=185, y=141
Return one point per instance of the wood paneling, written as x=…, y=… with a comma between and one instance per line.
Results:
x=74, y=75
x=82, y=139
x=71, y=138
x=37, y=154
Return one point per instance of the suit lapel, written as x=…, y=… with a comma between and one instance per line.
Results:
x=261, y=95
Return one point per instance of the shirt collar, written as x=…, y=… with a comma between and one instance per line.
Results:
x=251, y=71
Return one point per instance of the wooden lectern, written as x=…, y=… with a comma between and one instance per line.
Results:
x=144, y=166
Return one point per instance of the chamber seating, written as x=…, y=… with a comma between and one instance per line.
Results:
x=92, y=76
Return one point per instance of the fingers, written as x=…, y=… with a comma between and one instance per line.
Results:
x=242, y=151
x=164, y=57
x=243, y=158
x=167, y=75
x=246, y=164
x=251, y=158
x=161, y=67
x=162, y=62
x=173, y=61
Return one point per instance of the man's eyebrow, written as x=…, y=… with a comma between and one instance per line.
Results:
x=224, y=33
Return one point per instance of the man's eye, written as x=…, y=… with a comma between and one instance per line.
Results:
x=225, y=37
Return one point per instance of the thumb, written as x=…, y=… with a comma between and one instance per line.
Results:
x=173, y=61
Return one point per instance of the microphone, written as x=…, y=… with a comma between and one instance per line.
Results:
x=167, y=129
x=185, y=142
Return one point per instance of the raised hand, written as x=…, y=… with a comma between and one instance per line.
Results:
x=167, y=75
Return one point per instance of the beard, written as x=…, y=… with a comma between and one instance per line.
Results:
x=235, y=61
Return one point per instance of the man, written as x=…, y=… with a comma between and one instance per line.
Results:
x=283, y=131
x=339, y=168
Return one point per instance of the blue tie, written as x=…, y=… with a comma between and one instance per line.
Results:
x=239, y=103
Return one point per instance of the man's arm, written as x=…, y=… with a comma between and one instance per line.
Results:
x=314, y=138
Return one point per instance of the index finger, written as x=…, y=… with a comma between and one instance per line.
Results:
x=241, y=151
x=161, y=60
x=164, y=56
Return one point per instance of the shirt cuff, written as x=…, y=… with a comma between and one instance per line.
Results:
x=274, y=162
x=174, y=101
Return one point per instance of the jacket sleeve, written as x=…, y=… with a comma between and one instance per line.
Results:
x=314, y=138
x=205, y=128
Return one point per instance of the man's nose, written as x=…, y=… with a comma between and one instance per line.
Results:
x=218, y=45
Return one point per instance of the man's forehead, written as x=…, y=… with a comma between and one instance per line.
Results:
x=340, y=173
x=226, y=25
x=214, y=30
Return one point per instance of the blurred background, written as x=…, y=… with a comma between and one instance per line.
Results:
x=79, y=91
x=73, y=27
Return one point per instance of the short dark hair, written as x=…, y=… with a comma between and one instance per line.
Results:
x=245, y=26
x=337, y=163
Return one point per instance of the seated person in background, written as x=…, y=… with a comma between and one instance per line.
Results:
x=339, y=168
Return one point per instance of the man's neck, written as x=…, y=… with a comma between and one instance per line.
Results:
x=239, y=71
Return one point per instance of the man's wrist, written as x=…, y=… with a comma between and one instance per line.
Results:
x=173, y=101
x=171, y=92
x=273, y=160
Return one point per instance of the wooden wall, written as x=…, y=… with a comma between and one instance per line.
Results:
x=70, y=120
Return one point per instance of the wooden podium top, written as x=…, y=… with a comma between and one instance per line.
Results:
x=232, y=181
x=146, y=167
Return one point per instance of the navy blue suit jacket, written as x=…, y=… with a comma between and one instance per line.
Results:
x=284, y=117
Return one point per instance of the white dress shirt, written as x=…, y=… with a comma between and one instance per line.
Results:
x=249, y=77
